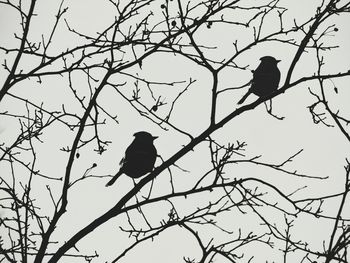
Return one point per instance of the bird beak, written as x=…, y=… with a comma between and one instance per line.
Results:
x=154, y=137
x=277, y=61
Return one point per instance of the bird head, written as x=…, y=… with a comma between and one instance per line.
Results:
x=269, y=60
x=144, y=136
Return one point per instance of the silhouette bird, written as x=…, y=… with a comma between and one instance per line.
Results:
x=265, y=78
x=139, y=157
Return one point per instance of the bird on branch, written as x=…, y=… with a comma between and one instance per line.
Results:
x=139, y=157
x=265, y=78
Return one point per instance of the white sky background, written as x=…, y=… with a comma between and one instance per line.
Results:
x=325, y=149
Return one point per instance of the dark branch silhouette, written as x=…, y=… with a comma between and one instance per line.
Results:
x=131, y=74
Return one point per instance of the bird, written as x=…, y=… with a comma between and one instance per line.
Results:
x=139, y=157
x=265, y=78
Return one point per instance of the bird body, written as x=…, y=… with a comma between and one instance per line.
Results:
x=140, y=157
x=265, y=78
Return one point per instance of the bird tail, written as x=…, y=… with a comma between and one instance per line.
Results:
x=110, y=182
x=244, y=98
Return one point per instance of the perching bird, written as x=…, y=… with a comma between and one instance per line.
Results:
x=265, y=78
x=139, y=158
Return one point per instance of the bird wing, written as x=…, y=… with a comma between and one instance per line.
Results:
x=265, y=80
x=260, y=75
x=132, y=154
x=137, y=153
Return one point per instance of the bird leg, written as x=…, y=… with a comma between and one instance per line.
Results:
x=269, y=110
x=150, y=189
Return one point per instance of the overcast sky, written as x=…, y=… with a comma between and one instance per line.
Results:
x=324, y=153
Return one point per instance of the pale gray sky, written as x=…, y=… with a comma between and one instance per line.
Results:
x=324, y=154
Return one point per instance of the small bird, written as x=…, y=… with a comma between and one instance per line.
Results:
x=265, y=78
x=139, y=158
